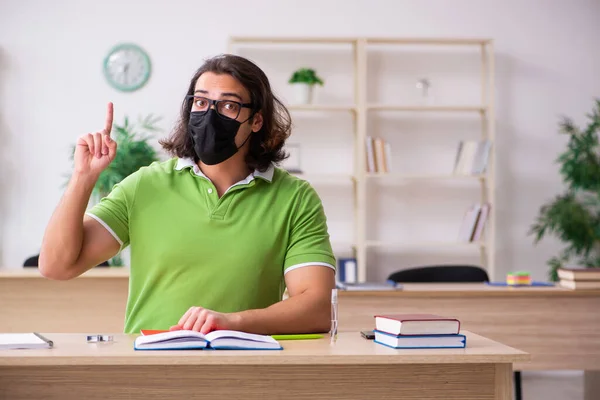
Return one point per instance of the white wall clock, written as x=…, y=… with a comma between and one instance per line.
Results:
x=127, y=67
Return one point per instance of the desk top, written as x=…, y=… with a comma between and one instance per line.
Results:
x=350, y=348
x=430, y=290
x=409, y=289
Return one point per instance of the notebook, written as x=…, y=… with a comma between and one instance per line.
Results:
x=417, y=324
x=215, y=340
x=24, y=341
x=421, y=342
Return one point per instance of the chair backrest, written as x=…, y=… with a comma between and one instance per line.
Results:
x=441, y=274
x=33, y=261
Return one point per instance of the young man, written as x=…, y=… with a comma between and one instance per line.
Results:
x=217, y=232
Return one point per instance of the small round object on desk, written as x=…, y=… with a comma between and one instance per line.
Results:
x=99, y=338
x=520, y=278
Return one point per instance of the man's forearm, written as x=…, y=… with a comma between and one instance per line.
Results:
x=63, y=238
x=307, y=312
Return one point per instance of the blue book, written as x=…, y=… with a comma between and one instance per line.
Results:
x=215, y=340
x=458, y=341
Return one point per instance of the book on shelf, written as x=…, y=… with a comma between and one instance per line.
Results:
x=347, y=270
x=473, y=223
x=472, y=157
x=458, y=341
x=378, y=155
x=416, y=324
x=192, y=340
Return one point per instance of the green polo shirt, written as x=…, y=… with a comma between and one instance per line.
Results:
x=191, y=248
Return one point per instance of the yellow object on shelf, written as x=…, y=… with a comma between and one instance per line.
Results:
x=518, y=278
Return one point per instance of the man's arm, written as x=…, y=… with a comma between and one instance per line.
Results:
x=72, y=244
x=307, y=310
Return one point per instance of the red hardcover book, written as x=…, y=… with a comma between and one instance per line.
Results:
x=417, y=324
x=146, y=332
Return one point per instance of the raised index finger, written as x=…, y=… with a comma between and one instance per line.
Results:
x=109, y=119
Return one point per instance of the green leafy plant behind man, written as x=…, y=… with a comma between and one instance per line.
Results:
x=574, y=216
x=133, y=152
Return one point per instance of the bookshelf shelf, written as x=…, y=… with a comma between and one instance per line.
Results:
x=392, y=107
x=377, y=243
x=363, y=109
x=321, y=107
x=424, y=177
x=326, y=178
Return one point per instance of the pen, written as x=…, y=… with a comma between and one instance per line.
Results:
x=50, y=342
x=334, y=315
x=297, y=336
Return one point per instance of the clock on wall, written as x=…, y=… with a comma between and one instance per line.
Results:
x=127, y=67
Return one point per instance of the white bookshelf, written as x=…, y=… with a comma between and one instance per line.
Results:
x=362, y=110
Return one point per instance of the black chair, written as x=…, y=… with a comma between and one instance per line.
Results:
x=440, y=274
x=447, y=274
x=33, y=261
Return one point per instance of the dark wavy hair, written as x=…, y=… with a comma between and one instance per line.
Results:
x=266, y=145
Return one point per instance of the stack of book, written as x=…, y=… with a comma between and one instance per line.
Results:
x=579, y=278
x=379, y=155
x=418, y=331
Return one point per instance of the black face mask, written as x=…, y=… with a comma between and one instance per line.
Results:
x=213, y=136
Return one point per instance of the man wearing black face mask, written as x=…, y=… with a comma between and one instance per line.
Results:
x=218, y=231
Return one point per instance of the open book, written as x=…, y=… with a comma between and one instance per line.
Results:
x=217, y=340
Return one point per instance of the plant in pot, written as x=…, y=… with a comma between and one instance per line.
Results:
x=574, y=216
x=133, y=152
x=303, y=81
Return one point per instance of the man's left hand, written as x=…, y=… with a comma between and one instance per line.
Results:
x=204, y=321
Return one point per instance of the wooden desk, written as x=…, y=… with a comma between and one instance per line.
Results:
x=559, y=327
x=353, y=368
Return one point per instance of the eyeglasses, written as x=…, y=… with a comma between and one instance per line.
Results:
x=225, y=108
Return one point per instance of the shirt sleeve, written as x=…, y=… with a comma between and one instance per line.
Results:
x=113, y=211
x=309, y=242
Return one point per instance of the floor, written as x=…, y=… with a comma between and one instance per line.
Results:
x=555, y=385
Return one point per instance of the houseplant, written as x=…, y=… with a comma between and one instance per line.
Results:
x=574, y=216
x=303, y=80
x=133, y=152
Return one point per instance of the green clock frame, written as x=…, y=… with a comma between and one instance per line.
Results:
x=127, y=88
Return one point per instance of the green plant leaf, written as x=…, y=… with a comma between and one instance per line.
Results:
x=574, y=216
x=133, y=151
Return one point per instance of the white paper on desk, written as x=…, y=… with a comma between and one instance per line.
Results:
x=21, y=341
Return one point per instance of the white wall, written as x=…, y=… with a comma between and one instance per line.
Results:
x=52, y=90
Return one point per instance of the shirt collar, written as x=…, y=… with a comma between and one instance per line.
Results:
x=189, y=163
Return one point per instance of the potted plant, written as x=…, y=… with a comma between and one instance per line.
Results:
x=574, y=216
x=133, y=152
x=303, y=80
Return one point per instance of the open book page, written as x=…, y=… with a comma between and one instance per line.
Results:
x=225, y=339
x=221, y=339
x=214, y=335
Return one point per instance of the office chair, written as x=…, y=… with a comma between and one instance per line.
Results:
x=33, y=261
x=440, y=274
x=447, y=274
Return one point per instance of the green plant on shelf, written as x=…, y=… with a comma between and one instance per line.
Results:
x=307, y=76
x=574, y=216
